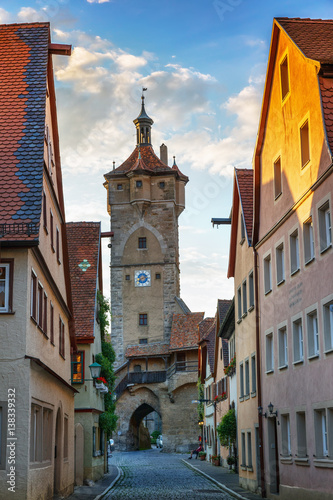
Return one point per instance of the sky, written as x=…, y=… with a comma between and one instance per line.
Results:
x=203, y=63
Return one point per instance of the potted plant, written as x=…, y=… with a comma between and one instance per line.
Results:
x=230, y=461
x=202, y=455
x=216, y=460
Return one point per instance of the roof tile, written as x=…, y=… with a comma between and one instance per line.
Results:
x=185, y=331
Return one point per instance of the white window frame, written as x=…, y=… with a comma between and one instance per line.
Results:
x=269, y=348
x=6, y=280
x=283, y=345
x=298, y=339
x=301, y=434
x=285, y=435
x=239, y=303
x=244, y=298
x=294, y=251
x=253, y=375
x=327, y=311
x=312, y=330
x=325, y=225
x=308, y=241
x=280, y=263
x=267, y=265
x=251, y=290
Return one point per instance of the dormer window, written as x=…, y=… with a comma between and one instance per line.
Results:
x=284, y=75
x=138, y=184
x=119, y=187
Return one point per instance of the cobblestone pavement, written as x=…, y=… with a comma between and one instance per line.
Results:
x=152, y=475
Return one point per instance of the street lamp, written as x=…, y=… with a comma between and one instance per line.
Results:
x=95, y=370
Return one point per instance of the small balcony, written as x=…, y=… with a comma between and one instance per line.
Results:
x=182, y=367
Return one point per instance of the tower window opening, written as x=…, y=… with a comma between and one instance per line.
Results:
x=143, y=319
x=142, y=243
x=138, y=184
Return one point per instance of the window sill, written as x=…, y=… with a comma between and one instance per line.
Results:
x=302, y=461
x=46, y=230
x=253, y=394
x=325, y=249
x=298, y=362
x=309, y=261
x=295, y=272
x=305, y=164
x=283, y=367
x=38, y=465
x=244, y=315
x=241, y=399
x=329, y=351
x=246, y=397
x=286, y=460
x=251, y=308
x=269, y=371
x=314, y=356
x=281, y=282
x=52, y=248
x=8, y=312
x=323, y=462
x=249, y=468
x=239, y=321
x=268, y=291
x=243, y=467
x=242, y=241
x=278, y=196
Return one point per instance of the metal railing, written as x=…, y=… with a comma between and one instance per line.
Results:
x=181, y=367
x=27, y=228
x=147, y=377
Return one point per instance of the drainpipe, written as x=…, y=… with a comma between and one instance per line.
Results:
x=256, y=302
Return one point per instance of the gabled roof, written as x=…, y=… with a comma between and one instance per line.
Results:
x=144, y=350
x=144, y=160
x=185, y=331
x=227, y=326
x=314, y=39
x=23, y=78
x=223, y=306
x=243, y=198
x=85, y=272
x=204, y=328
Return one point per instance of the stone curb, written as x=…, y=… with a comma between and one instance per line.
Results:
x=220, y=485
x=120, y=472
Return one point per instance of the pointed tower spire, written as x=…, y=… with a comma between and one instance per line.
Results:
x=143, y=124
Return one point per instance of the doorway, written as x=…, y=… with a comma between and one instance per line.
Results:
x=57, y=454
x=273, y=455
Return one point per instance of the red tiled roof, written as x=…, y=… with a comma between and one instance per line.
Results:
x=184, y=331
x=244, y=179
x=84, y=245
x=144, y=159
x=23, y=77
x=314, y=37
x=204, y=328
x=143, y=350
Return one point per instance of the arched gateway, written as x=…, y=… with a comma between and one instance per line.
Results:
x=153, y=332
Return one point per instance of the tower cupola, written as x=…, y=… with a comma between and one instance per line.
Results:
x=143, y=125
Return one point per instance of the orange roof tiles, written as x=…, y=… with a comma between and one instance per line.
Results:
x=185, y=331
x=23, y=72
x=84, y=245
x=204, y=328
x=143, y=350
x=314, y=37
x=244, y=179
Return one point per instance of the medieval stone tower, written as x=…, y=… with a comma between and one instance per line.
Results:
x=145, y=199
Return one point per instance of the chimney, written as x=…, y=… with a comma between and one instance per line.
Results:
x=164, y=153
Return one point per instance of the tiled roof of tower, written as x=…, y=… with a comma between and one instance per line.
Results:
x=244, y=178
x=83, y=248
x=23, y=77
x=204, y=327
x=313, y=36
x=184, y=331
x=148, y=162
x=143, y=350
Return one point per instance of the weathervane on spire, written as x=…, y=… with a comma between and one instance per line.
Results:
x=143, y=90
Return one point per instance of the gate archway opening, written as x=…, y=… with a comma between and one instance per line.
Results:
x=139, y=432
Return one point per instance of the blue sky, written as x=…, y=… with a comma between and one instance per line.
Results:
x=204, y=65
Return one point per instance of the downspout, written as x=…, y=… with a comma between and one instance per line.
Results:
x=256, y=301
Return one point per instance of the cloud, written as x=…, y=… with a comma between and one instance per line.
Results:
x=98, y=1
x=29, y=15
x=5, y=17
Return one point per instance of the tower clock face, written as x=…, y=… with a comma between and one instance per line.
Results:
x=142, y=278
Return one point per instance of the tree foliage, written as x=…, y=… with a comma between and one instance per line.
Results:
x=201, y=408
x=227, y=429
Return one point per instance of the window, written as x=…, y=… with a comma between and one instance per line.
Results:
x=181, y=363
x=127, y=277
x=143, y=319
x=280, y=264
x=313, y=334
x=283, y=347
x=269, y=353
x=162, y=184
x=157, y=276
x=65, y=437
x=137, y=368
x=44, y=211
x=305, y=143
x=251, y=291
x=45, y=314
x=249, y=450
x=40, y=305
x=277, y=178
x=301, y=434
x=239, y=303
x=294, y=252
x=61, y=338
x=284, y=75
x=328, y=325
x=267, y=274
x=242, y=228
x=78, y=367
x=241, y=380
x=143, y=341
x=142, y=242
x=3, y=434
x=51, y=323
x=52, y=230
x=47, y=434
x=6, y=285
x=243, y=464
x=119, y=187
x=323, y=421
x=58, y=245
x=298, y=341
x=33, y=296
x=244, y=298
x=309, y=249
x=138, y=184
x=247, y=378
x=36, y=434
x=285, y=435
x=253, y=374
x=325, y=228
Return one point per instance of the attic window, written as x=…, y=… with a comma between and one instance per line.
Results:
x=305, y=143
x=284, y=74
x=119, y=187
x=242, y=229
x=138, y=184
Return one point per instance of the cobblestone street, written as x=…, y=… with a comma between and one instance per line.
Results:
x=151, y=475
